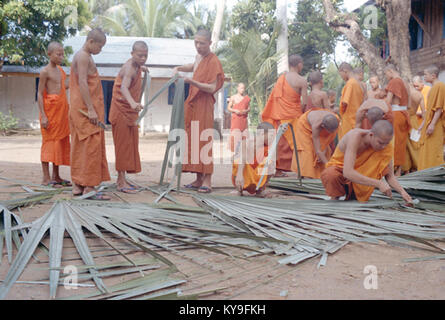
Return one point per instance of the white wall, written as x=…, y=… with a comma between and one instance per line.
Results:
x=18, y=95
x=158, y=117
x=442, y=76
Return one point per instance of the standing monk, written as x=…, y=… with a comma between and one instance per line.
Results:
x=316, y=129
x=398, y=98
x=432, y=136
x=352, y=96
x=53, y=106
x=360, y=161
x=284, y=106
x=317, y=99
x=239, y=107
x=359, y=75
x=124, y=111
x=375, y=87
x=208, y=78
x=89, y=165
x=420, y=86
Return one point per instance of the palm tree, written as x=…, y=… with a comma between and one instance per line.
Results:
x=145, y=18
x=220, y=8
x=282, y=42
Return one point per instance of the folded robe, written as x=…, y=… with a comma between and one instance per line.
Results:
x=198, y=114
x=370, y=163
x=283, y=106
x=352, y=95
x=89, y=165
x=431, y=147
x=307, y=157
x=56, y=137
x=125, y=130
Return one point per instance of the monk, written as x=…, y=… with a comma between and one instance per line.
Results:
x=239, y=107
x=285, y=106
x=432, y=136
x=360, y=161
x=420, y=86
x=53, y=107
x=332, y=96
x=208, y=78
x=359, y=75
x=317, y=99
x=316, y=130
x=250, y=159
x=352, y=97
x=413, y=147
x=124, y=111
x=375, y=87
x=89, y=165
x=398, y=98
x=371, y=111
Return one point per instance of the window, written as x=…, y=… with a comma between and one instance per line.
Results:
x=415, y=31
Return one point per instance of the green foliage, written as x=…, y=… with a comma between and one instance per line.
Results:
x=200, y=16
x=7, y=122
x=254, y=14
x=27, y=27
x=310, y=36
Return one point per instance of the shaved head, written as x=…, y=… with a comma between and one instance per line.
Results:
x=344, y=66
x=53, y=46
x=331, y=93
x=358, y=70
x=97, y=35
x=315, y=77
x=330, y=122
x=391, y=67
x=295, y=60
x=434, y=70
x=139, y=45
x=418, y=79
x=382, y=129
x=374, y=114
x=204, y=33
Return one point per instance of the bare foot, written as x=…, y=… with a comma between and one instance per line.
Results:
x=77, y=190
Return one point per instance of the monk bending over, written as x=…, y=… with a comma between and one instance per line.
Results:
x=285, y=106
x=317, y=99
x=371, y=111
x=250, y=159
x=54, y=125
x=432, y=137
x=316, y=129
x=208, y=78
x=89, y=165
x=124, y=111
x=360, y=161
x=239, y=107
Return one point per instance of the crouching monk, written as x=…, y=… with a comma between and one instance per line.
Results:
x=360, y=161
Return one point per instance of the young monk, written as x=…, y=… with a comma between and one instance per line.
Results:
x=398, y=98
x=124, y=111
x=413, y=147
x=359, y=75
x=250, y=160
x=316, y=130
x=317, y=99
x=208, y=78
x=352, y=97
x=332, y=96
x=239, y=107
x=420, y=86
x=53, y=106
x=371, y=111
x=360, y=161
x=432, y=136
x=374, y=92
x=89, y=165
x=285, y=106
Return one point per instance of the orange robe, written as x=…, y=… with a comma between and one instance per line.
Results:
x=425, y=91
x=401, y=120
x=283, y=106
x=56, y=138
x=309, y=167
x=89, y=165
x=252, y=172
x=238, y=123
x=125, y=129
x=370, y=163
x=352, y=95
x=412, y=147
x=198, y=114
x=431, y=147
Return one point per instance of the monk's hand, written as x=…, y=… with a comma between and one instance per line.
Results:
x=92, y=115
x=430, y=130
x=144, y=68
x=407, y=198
x=136, y=106
x=44, y=122
x=385, y=189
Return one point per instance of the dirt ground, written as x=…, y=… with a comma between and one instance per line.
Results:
x=255, y=278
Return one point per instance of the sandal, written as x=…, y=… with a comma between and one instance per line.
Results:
x=99, y=196
x=65, y=183
x=204, y=189
x=127, y=190
x=191, y=186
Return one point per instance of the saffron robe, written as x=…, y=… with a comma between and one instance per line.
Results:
x=352, y=95
x=252, y=172
x=238, y=123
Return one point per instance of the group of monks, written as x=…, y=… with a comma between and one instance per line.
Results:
x=373, y=126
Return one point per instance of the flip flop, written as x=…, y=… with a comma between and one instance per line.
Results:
x=99, y=196
x=65, y=183
x=190, y=186
x=204, y=189
x=282, y=175
x=127, y=190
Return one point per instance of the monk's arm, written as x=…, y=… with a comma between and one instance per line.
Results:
x=317, y=147
x=389, y=97
x=230, y=105
x=129, y=74
x=42, y=85
x=184, y=68
x=240, y=158
x=67, y=83
x=304, y=94
x=325, y=100
x=206, y=87
x=394, y=183
x=422, y=108
x=82, y=69
x=360, y=115
x=432, y=125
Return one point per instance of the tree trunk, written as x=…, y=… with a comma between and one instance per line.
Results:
x=397, y=13
x=282, y=41
x=220, y=6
